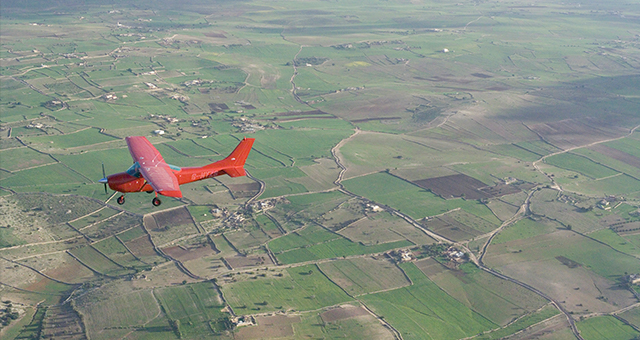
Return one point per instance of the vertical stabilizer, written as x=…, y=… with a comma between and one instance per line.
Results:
x=233, y=165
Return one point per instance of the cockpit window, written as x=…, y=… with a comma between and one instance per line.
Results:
x=134, y=170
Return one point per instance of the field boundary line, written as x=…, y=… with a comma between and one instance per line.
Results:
x=89, y=267
x=395, y=332
x=39, y=272
x=98, y=222
x=556, y=185
x=129, y=250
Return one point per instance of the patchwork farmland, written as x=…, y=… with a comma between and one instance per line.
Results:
x=421, y=170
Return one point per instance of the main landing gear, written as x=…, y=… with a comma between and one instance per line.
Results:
x=156, y=201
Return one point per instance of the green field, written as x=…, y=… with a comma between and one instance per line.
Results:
x=195, y=309
x=94, y=260
x=80, y=138
x=21, y=158
x=593, y=255
x=532, y=319
x=349, y=102
x=424, y=311
x=617, y=242
x=116, y=310
x=497, y=300
x=364, y=276
x=580, y=164
x=523, y=229
x=334, y=249
x=606, y=327
x=301, y=288
x=410, y=199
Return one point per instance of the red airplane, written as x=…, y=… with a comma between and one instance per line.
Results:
x=150, y=173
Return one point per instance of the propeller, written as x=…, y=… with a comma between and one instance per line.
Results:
x=104, y=180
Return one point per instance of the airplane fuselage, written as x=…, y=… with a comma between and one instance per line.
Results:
x=127, y=182
x=151, y=173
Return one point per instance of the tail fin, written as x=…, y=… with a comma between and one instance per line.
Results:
x=233, y=165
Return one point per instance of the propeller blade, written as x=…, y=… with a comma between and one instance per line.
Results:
x=104, y=176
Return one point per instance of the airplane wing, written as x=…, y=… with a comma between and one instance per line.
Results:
x=153, y=167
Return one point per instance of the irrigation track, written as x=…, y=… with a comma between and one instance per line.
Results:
x=556, y=185
x=260, y=191
x=440, y=238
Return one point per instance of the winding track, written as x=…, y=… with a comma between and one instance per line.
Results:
x=516, y=217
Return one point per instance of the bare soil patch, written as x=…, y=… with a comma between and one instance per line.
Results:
x=215, y=35
x=277, y=326
x=616, y=154
x=460, y=185
x=498, y=88
x=453, y=186
x=244, y=190
x=62, y=322
x=375, y=119
x=296, y=113
x=569, y=133
x=430, y=267
x=141, y=246
x=181, y=253
x=342, y=313
x=500, y=190
x=218, y=107
x=248, y=261
x=450, y=228
x=173, y=217
x=567, y=262
x=71, y=272
x=481, y=75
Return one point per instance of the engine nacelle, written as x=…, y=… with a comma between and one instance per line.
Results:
x=124, y=182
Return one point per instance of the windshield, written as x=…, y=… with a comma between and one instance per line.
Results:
x=134, y=170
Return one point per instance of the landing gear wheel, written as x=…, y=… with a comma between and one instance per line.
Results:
x=149, y=192
x=156, y=201
x=121, y=200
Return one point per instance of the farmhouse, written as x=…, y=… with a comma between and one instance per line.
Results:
x=634, y=279
x=604, y=205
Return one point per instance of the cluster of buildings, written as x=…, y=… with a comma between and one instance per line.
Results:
x=246, y=125
x=166, y=118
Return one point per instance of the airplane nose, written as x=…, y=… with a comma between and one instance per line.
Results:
x=103, y=180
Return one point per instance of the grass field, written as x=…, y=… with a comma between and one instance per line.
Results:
x=580, y=164
x=532, y=319
x=364, y=275
x=301, y=288
x=606, y=327
x=393, y=91
x=410, y=199
x=599, y=258
x=523, y=229
x=195, y=307
x=423, y=311
x=335, y=249
x=98, y=262
x=497, y=300
x=115, y=310
x=22, y=158
x=617, y=242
